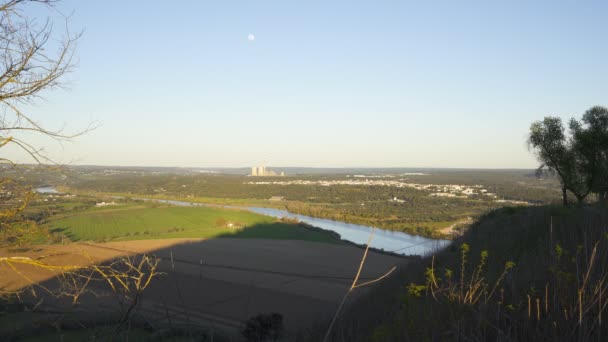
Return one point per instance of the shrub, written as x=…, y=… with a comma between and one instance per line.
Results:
x=264, y=327
x=220, y=222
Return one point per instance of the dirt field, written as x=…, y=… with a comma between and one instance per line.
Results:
x=223, y=282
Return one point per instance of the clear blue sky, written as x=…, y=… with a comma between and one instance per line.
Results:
x=324, y=83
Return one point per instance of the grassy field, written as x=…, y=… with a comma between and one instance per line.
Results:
x=148, y=221
x=429, y=227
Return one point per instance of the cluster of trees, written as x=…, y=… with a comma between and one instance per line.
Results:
x=423, y=218
x=578, y=156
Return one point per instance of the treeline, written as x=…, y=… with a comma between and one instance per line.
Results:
x=422, y=216
x=509, y=185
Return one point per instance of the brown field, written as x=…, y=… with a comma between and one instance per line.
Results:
x=222, y=282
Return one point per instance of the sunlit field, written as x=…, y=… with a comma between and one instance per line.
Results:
x=146, y=221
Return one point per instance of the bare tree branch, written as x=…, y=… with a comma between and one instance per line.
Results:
x=28, y=67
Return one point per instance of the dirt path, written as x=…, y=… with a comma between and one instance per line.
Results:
x=449, y=230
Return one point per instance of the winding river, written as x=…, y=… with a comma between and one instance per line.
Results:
x=387, y=240
x=391, y=241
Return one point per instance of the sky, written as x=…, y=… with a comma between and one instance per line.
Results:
x=321, y=83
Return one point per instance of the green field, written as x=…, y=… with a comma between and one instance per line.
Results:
x=147, y=221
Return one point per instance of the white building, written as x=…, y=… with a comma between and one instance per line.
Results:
x=261, y=171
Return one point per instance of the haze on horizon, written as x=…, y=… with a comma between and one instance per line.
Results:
x=317, y=84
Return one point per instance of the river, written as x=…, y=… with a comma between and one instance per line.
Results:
x=388, y=240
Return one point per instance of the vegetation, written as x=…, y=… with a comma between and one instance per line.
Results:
x=33, y=60
x=590, y=144
x=73, y=221
x=264, y=327
x=519, y=273
x=579, y=159
x=415, y=211
x=535, y=273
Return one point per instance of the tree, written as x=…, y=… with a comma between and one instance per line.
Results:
x=557, y=156
x=590, y=143
x=579, y=159
x=33, y=59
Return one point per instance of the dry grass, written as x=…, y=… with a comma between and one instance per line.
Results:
x=519, y=274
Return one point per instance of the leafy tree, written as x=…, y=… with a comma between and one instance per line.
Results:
x=557, y=156
x=590, y=143
x=580, y=159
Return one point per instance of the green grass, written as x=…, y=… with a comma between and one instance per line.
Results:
x=146, y=221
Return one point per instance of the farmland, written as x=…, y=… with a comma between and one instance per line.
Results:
x=136, y=221
x=237, y=279
x=416, y=203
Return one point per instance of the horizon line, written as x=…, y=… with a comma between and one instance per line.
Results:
x=282, y=167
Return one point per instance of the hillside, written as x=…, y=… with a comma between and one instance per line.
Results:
x=535, y=273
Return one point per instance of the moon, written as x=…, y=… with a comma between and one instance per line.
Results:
x=250, y=37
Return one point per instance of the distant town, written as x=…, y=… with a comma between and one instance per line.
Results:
x=262, y=171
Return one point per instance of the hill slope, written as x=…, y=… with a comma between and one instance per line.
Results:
x=536, y=273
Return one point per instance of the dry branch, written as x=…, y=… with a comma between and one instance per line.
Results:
x=354, y=284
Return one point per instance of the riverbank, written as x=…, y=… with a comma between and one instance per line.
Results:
x=354, y=244
x=389, y=242
x=425, y=228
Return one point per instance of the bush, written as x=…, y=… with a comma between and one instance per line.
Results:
x=264, y=327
